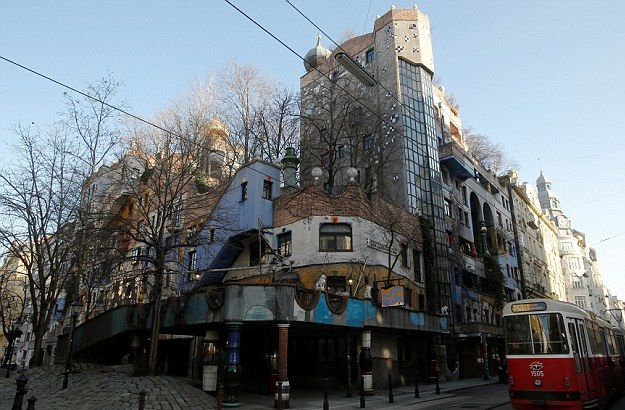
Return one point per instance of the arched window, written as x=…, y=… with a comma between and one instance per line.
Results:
x=335, y=237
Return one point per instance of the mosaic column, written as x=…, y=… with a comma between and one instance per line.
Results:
x=366, y=363
x=232, y=369
x=283, y=355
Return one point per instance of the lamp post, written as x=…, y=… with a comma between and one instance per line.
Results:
x=483, y=232
x=75, y=310
x=273, y=267
x=350, y=282
x=11, y=335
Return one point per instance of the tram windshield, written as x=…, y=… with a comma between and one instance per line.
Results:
x=535, y=334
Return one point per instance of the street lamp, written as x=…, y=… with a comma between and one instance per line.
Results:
x=483, y=232
x=11, y=335
x=350, y=282
x=75, y=310
x=355, y=69
x=273, y=267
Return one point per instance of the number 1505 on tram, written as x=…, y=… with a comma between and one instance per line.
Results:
x=560, y=356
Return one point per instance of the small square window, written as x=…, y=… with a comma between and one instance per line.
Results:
x=284, y=244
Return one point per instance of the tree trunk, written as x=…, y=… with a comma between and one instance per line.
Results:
x=156, y=327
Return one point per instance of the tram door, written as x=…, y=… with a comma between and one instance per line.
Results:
x=579, y=346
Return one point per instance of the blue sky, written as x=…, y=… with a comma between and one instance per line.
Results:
x=542, y=78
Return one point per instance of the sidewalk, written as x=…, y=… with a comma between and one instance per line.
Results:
x=113, y=387
x=403, y=397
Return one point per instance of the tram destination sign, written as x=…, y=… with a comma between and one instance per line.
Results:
x=529, y=307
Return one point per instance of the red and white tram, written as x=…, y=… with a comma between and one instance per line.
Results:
x=561, y=356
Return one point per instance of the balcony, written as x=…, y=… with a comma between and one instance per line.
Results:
x=452, y=157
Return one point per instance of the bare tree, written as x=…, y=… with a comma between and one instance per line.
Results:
x=243, y=92
x=95, y=126
x=399, y=231
x=167, y=203
x=490, y=155
x=343, y=127
x=277, y=125
x=13, y=287
x=39, y=198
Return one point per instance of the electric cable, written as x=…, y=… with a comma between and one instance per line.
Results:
x=304, y=60
x=111, y=106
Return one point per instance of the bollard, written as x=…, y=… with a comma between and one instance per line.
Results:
x=20, y=392
x=362, y=392
x=326, y=405
x=31, y=403
x=438, y=388
x=65, y=378
x=142, y=394
x=279, y=404
x=416, y=385
x=391, y=399
x=220, y=396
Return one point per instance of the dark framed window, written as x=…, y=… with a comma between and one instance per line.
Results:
x=404, y=256
x=367, y=142
x=416, y=265
x=267, y=185
x=244, y=191
x=448, y=207
x=335, y=237
x=370, y=55
x=177, y=217
x=192, y=261
x=256, y=252
x=284, y=244
x=341, y=151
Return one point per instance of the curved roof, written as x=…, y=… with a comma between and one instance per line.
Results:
x=316, y=55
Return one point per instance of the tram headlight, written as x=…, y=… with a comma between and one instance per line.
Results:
x=537, y=383
x=567, y=382
x=511, y=380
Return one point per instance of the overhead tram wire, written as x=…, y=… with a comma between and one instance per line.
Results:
x=607, y=239
x=597, y=199
x=87, y=95
x=315, y=68
x=343, y=50
x=367, y=17
x=113, y=107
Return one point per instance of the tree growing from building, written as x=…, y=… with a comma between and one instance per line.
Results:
x=343, y=127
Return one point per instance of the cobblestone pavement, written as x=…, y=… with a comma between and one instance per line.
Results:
x=94, y=388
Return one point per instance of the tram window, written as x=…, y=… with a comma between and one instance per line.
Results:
x=517, y=331
x=603, y=341
x=536, y=334
x=597, y=339
x=611, y=343
x=575, y=347
x=548, y=334
x=621, y=344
